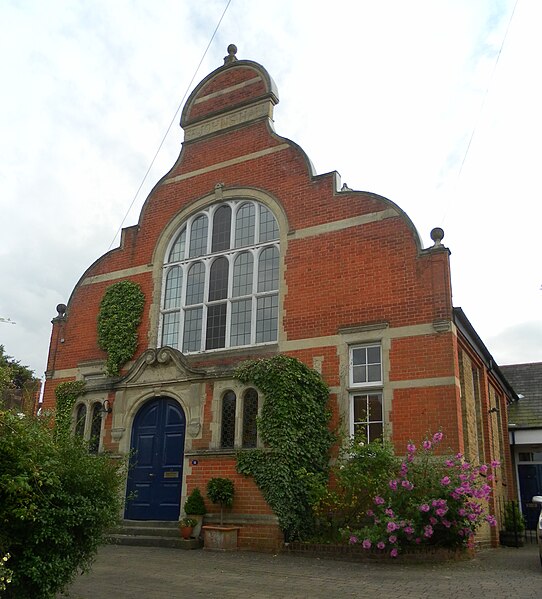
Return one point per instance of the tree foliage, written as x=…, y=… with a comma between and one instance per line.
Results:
x=56, y=504
x=18, y=385
x=12, y=373
x=294, y=427
x=119, y=317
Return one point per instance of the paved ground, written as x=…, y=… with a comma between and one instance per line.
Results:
x=148, y=573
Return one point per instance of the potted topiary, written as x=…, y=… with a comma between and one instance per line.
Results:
x=514, y=526
x=186, y=526
x=220, y=538
x=194, y=507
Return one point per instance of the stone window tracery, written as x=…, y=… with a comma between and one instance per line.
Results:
x=221, y=279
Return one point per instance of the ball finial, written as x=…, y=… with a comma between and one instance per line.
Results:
x=437, y=235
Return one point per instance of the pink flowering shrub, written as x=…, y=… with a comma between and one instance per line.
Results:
x=430, y=501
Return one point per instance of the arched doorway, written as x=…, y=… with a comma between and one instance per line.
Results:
x=156, y=463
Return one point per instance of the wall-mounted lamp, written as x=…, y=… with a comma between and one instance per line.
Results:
x=106, y=407
x=493, y=410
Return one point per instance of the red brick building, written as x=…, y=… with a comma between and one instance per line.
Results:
x=242, y=251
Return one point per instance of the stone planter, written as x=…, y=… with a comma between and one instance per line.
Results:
x=220, y=538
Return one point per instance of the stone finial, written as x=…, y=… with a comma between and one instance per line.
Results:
x=61, y=309
x=218, y=190
x=437, y=235
x=232, y=51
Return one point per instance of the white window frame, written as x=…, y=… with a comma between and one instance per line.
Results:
x=375, y=387
x=207, y=259
x=367, y=384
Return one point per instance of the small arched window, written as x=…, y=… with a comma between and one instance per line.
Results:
x=221, y=279
x=250, y=413
x=238, y=425
x=229, y=405
x=80, y=420
x=95, y=428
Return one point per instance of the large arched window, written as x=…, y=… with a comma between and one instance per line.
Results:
x=221, y=279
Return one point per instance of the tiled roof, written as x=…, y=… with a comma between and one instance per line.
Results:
x=526, y=379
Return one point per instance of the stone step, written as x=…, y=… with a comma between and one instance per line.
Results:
x=156, y=531
x=151, y=533
x=155, y=541
x=149, y=524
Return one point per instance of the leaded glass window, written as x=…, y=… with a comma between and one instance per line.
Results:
x=250, y=413
x=268, y=225
x=221, y=279
x=80, y=420
x=195, y=284
x=245, y=225
x=227, y=437
x=95, y=428
x=221, y=229
x=178, y=249
x=198, y=236
x=174, y=281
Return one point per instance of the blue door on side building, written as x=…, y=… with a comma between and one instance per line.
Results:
x=155, y=474
x=530, y=484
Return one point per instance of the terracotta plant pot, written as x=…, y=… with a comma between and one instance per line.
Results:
x=186, y=531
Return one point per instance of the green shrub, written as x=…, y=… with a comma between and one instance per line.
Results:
x=513, y=519
x=361, y=471
x=194, y=504
x=56, y=504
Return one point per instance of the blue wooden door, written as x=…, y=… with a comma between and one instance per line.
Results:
x=530, y=484
x=155, y=475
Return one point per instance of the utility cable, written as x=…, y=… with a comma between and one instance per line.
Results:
x=483, y=103
x=170, y=125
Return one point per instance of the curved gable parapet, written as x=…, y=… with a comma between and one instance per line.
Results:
x=392, y=205
x=236, y=93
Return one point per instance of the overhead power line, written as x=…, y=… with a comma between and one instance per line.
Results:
x=170, y=125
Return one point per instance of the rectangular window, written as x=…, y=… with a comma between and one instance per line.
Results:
x=365, y=366
x=367, y=415
x=366, y=398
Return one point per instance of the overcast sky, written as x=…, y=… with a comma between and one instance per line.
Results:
x=433, y=104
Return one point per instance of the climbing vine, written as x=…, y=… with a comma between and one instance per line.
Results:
x=119, y=317
x=66, y=395
x=294, y=427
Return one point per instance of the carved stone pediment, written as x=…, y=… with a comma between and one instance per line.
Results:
x=159, y=366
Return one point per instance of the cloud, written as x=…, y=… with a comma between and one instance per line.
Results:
x=388, y=93
x=518, y=344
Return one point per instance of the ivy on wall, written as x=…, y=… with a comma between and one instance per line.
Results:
x=119, y=317
x=294, y=427
x=66, y=395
